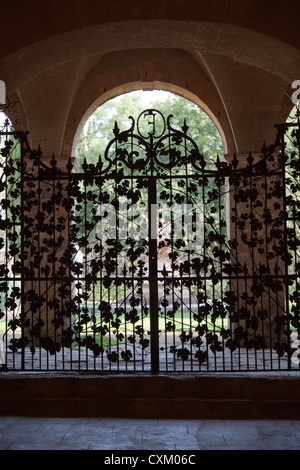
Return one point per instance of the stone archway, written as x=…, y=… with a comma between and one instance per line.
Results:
x=127, y=88
x=155, y=33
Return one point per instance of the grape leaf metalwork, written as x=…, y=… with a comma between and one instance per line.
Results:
x=152, y=258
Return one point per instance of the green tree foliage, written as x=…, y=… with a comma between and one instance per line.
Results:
x=292, y=142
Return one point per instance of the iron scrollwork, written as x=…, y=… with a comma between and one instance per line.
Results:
x=198, y=268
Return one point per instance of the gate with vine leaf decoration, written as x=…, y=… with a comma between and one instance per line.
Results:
x=153, y=259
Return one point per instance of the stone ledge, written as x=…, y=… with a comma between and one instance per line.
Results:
x=105, y=387
x=209, y=396
x=154, y=409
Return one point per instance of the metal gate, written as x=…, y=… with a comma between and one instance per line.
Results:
x=152, y=259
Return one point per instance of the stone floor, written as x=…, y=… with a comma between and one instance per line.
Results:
x=20, y=433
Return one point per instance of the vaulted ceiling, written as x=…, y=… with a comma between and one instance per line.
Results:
x=60, y=59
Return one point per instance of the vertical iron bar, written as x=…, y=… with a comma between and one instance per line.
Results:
x=100, y=300
x=172, y=233
x=153, y=284
x=221, y=246
x=70, y=244
x=255, y=278
x=85, y=271
x=268, y=307
x=246, y=272
x=205, y=261
x=22, y=261
x=6, y=260
x=165, y=321
x=286, y=266
x=295, y=260
x=7, y=264
x=237, y=264
x=117, y=235
x=39, y=251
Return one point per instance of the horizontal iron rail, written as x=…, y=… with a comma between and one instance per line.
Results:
x=208, y=174
x=186, y=278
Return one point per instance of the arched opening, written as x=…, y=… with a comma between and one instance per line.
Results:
x=183, y=103
x=160, y=203
x=98, y=129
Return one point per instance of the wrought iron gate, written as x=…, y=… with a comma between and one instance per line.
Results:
x=151, y=259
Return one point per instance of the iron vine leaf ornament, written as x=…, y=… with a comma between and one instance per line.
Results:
x=80, y=291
